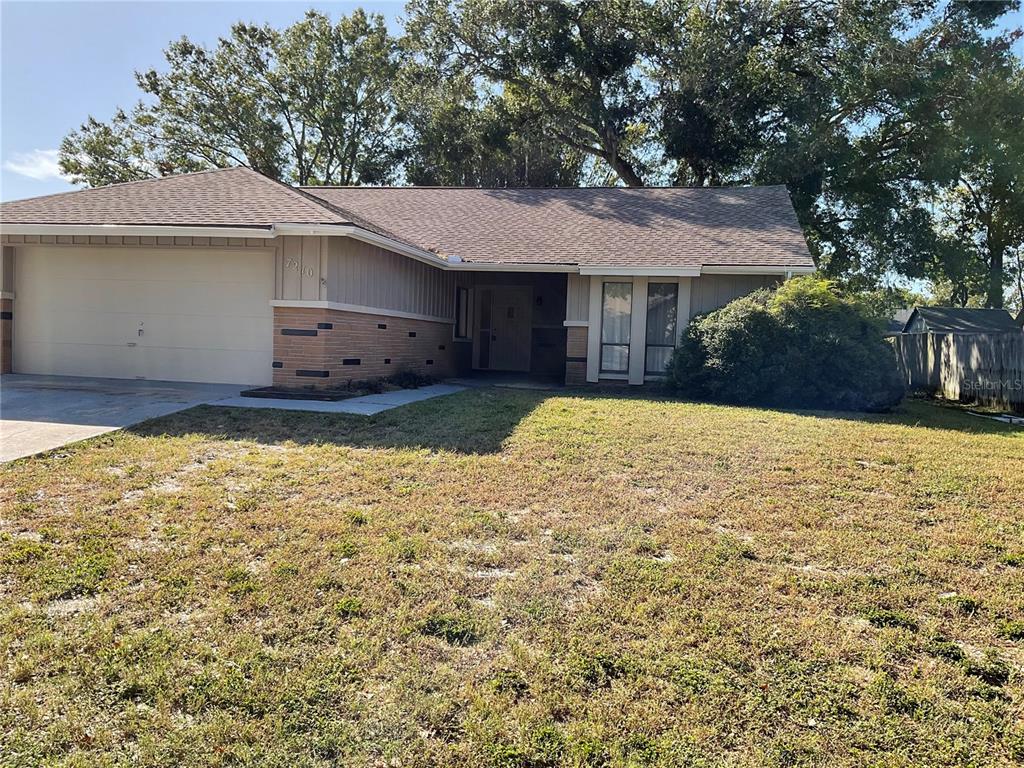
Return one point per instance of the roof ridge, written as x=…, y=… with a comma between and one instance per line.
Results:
x=414, y=187
x=360, y=221
x=309, y=200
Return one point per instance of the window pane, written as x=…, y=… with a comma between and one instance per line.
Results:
x=657, y=359
x=661, y=313
x=616, y=305
x=615, y=358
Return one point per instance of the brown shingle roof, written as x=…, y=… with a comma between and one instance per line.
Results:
x=229, y=197
x=650, y=227
x=653, y=226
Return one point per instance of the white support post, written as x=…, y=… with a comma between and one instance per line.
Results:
x=638, y=331
x=683, y=307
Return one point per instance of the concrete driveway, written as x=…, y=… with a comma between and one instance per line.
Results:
x=38, y=413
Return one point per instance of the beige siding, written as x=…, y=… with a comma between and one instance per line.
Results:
x=577, y=305
x=710, y=292
x=7, y=270
x=301, y=262
x=364, y=275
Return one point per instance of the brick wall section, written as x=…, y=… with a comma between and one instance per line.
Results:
x=356, y=348
x=6, y=335
x=576, y=355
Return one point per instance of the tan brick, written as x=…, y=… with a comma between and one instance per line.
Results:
x=354, y=336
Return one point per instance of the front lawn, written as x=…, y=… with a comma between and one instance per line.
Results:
x=505, y=578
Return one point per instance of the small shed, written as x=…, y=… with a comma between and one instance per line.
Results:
x=960, y=321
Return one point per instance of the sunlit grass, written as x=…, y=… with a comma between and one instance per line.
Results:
x=518, y=579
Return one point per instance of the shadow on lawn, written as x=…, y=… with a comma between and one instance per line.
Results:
x=479, y=421
x=473, y=422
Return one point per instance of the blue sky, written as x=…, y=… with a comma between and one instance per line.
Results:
x=62, y=61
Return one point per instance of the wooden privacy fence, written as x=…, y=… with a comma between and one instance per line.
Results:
x=984, y=368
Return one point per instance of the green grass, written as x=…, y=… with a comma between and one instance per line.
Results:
x=518, y=579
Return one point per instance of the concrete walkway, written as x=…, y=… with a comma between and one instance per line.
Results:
x=366, y=405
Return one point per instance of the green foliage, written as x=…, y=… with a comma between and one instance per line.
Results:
x=804, y=345
x=571, y=72
x=240, y=581
x=1012, y=630
x=349, y=607
x=311, y=104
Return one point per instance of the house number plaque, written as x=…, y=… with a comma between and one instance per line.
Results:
x=293, y=264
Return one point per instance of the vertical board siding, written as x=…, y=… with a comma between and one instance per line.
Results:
x=368, y=276
x=300, y=261
x=976, y=368
x=711, y=292
x=577, y=305
x=7, y=270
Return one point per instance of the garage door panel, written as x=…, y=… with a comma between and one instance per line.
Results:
x=205, y=332
x=204, y=265
x=122, y=329
x=74, y=359
x=164, y=363
x=204, y=313
x=161, y=297
x=68, y=326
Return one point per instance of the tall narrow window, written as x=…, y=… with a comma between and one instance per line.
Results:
x=461, y=313
x=616, y=309
x=662, y=303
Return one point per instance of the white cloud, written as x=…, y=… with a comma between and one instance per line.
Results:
x=39, y=164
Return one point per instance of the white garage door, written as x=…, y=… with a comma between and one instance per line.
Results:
x=182, y=314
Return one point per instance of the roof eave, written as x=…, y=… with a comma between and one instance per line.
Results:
x=271, y=231
x=140, y=230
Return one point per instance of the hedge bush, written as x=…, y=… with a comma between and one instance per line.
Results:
x=805, y=345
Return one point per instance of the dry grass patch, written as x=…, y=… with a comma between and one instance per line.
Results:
x=518, y=579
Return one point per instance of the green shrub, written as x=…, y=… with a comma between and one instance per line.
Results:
x=802, y=345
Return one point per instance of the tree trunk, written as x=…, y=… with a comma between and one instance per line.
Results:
x=625, y=171
x=994, y=300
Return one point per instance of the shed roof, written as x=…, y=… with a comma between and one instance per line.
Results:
x=963, y=320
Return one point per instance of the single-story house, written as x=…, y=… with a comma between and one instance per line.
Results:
x=229, y=276
x=960, y=320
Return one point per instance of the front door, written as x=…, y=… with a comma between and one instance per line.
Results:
x=504, y=317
